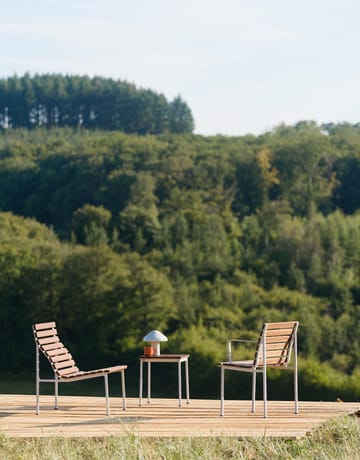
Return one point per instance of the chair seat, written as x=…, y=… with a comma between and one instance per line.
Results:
x=248, y=364
x=93, y=373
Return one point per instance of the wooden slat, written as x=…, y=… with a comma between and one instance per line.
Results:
x=47, y=340
x=40, y=326
x=96, y=371
x=284, y=325
x=276, y=346
x=51, y=346
x=274, y=354
x=272, y=360
x=63, y=364
x=277, y=339
x=61, y=357
x=279, y=332
x=67, y=371
x=46, y=333
x=54, y=351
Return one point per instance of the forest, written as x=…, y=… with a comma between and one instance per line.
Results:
x=55, y=100
x=113, y=234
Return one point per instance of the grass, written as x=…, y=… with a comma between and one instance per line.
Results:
x=338, y=438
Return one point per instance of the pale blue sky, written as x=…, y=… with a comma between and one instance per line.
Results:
x=243, y=66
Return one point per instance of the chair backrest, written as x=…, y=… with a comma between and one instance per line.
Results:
x=47, y=341
x=276, y=342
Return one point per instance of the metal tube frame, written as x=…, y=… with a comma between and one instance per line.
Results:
x=263, y=370
x=56, y=381
x=141, y=381
x=264, y=374
x=296, y=391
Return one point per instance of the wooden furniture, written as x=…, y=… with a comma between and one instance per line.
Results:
x=164, y=358
x=273, y=350
x=65, y=370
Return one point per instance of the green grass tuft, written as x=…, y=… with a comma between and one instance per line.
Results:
x=338, y=438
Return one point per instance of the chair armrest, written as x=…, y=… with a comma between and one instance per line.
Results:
x=236, y=340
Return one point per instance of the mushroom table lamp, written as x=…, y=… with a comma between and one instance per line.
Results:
x=155, y=337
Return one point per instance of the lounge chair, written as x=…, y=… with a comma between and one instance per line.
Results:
x=273, y=350
x=65, y=370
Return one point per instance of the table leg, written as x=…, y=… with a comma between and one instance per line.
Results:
x=222, y=392
x=141, y=383
x=179, y=376
x=187, y=381
x=149, y=381
x=123, y=389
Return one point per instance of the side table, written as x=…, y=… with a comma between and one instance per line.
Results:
x=165, y=358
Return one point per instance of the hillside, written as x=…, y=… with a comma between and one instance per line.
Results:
x=204, y=238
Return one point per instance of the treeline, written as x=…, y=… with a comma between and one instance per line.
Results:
x=90, y=103
x=204, y=238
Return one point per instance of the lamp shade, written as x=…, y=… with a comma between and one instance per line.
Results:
x=155, y=336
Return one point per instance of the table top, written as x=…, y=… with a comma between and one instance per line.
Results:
x=166, y=357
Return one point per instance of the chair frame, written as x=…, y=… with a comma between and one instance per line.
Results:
x=64, y=367
x=278, y=359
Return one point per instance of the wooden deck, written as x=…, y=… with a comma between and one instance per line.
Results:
x=85, y=416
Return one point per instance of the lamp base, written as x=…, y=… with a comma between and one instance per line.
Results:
x=156, y=347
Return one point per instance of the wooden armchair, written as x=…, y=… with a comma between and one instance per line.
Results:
x=64, y=366
x=273, y=350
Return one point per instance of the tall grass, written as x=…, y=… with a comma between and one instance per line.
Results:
x=339, y=438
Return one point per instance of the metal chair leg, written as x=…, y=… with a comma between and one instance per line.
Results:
x=296, y=389
x=37, y=383
x=265, y=391
x=56, y=385
x=123, y=389
x=222, y=392
x=187, y=382
x=107, y=394
x=179, y=382
x=253, y=392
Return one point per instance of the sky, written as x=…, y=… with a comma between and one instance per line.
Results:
x=242, y=66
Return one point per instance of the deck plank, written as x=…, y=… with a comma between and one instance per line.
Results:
x=84, y=416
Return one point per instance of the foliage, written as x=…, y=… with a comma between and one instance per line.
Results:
x=54, y=100
x=204, y=238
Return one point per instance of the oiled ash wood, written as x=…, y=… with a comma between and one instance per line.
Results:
x=83, y=416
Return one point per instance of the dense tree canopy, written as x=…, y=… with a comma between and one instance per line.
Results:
x=53, y=100
x=201, y=237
